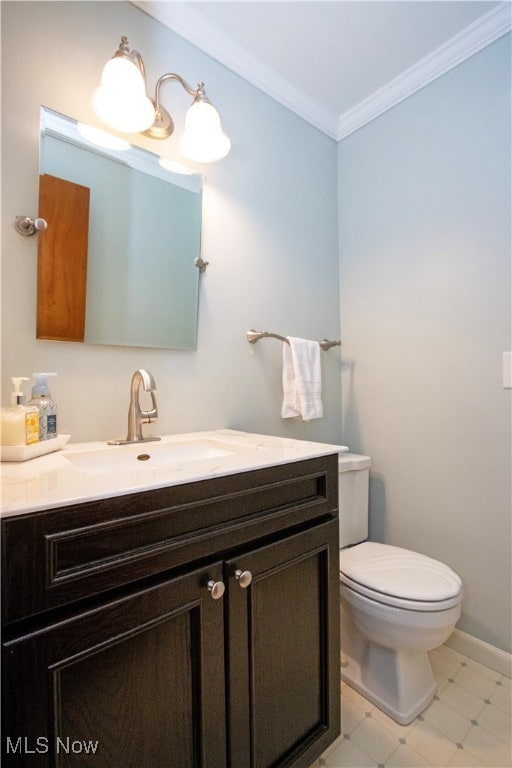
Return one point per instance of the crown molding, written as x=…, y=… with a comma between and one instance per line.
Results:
x=192, y=25
x=466, y=43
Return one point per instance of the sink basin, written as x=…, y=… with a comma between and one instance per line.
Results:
x=151, y=455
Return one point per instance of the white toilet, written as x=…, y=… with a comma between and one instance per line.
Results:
x=396, y=605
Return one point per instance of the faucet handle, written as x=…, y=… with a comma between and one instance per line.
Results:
x=152, y=415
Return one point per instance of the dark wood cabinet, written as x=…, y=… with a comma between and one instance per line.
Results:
x=131, y=683
x=283, y=706
x=222, y=652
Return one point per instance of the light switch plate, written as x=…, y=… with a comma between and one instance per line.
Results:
x=507, y=370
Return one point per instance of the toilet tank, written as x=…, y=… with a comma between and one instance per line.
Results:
x=354, y=476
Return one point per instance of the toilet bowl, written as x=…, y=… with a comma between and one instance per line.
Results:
x=396, y=606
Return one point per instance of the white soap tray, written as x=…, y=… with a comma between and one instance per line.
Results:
x=24, y=452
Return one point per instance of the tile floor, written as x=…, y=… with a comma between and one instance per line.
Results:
x=468, y=725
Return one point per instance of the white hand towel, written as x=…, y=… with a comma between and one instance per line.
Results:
x=302, y=380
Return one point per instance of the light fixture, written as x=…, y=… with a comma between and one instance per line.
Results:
x=121, y=102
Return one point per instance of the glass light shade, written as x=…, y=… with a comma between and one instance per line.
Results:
x=204, y=140
x=121, y=100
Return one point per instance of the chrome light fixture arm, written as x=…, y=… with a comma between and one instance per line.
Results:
x=172, y=76
x=163, y=126
x=124, y=52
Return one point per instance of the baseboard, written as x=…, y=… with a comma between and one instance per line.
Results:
x=476, y=649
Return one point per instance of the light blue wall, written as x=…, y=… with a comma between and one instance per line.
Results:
x=425, y=316
x=270, y=233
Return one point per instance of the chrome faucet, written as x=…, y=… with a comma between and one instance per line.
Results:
x=136, y=416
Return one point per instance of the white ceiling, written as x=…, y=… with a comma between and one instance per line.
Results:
x=338, y=64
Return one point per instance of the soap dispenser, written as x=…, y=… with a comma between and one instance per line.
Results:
x=46, y=406
x=19, y=422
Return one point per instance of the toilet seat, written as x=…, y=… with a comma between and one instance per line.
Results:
x=398, y=577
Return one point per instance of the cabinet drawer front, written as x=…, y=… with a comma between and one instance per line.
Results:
x=135, y=677
x=57, y=557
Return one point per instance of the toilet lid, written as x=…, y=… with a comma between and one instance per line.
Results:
x=398, y=573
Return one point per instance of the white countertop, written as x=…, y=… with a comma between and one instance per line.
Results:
x=57, y=479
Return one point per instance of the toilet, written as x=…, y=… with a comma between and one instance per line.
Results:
x=396, y=605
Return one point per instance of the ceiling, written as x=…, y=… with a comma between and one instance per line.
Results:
x=337, y=64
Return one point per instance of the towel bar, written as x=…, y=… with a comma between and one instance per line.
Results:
x=254, y=336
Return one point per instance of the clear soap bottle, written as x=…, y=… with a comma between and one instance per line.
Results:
x=46, y=406
x=19, y=423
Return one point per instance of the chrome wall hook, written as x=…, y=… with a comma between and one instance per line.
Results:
x=26, y=225
x=201, y=264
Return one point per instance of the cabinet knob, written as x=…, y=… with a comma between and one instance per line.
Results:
x=244, y=578
x=216, y=588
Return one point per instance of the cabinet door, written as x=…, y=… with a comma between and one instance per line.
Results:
x=283, y=651
x=137, y=682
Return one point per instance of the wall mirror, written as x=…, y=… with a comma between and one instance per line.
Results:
x=144, y=235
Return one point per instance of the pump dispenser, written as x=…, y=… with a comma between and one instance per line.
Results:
x=46, y=406
x=17, y=396
x=19, y=422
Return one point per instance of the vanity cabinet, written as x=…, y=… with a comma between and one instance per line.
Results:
x=194, y=626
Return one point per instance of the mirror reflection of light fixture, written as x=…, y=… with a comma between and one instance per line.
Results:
x=101, y=138
x=175, y=167
x=121, y=102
